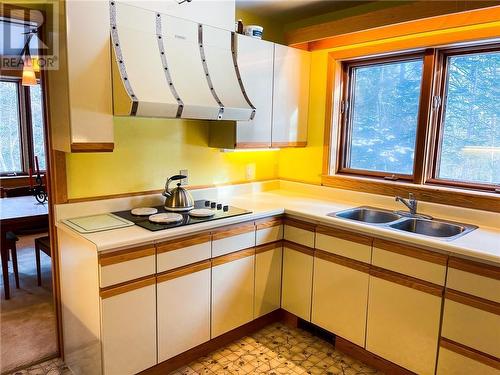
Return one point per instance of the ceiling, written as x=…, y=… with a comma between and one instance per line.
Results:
x=293, y=10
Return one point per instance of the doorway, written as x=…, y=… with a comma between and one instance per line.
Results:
x=28, y=319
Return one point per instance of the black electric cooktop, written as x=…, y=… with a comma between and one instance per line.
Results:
x=221, y=212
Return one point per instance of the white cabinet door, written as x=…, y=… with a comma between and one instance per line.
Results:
x=255, y=62
x=297, y=280
x=340, y=296
x=232, y=291
x=183, y=309
x=290, y=96
x=403, y=322
x=128, y=327
x=456, y=360
x=268, y=261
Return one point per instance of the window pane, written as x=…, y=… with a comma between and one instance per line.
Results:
x=10, y=144
x=384, y=116
x=37, y=121
x=470, y=149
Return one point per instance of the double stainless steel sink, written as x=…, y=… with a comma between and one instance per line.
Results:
x=402, y=221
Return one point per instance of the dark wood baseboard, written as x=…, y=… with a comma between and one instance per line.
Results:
x=370, y=359
x=289, y=319
x=216, y=343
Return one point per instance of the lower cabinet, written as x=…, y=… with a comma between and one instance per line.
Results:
x=183, y=299
x=403, y=320
x=233, y=278
x=340, y=296
x=297, y=279
x=128, y=327
x=454, y=359
x=268, y=260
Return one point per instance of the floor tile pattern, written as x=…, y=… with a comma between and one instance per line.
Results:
x=51, y=367
x=278, y=349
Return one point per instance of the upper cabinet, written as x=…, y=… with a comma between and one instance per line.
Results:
x=291, y=96
x=215, y=13
x=80, y=90
x=276, y=82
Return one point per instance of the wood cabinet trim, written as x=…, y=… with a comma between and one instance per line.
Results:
x=343, y=261
x=120, y=256
x=268, y=247
x=183, y=271
x=411, y=251
x=180, y=243
x=252, y=145
x=127, y=286
x=232, y=256
x=477, y=268
x=297, y=247
x=473, y=301
x=288, y=144
x=268, y=222
x=344, y=235
x=92, y=147
x=408, y=281
x=233, y=230
x=299, y=224
x=469, y=352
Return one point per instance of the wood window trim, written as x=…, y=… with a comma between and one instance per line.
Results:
x=437, y=122
x=424, y=188
x=26, y=140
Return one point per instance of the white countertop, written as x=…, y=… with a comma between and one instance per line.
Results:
x=313, y=204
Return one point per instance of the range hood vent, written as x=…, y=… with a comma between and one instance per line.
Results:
x=165, y=66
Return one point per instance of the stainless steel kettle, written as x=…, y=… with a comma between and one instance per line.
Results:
x=178, y=198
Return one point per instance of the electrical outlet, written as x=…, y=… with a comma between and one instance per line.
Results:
x=184, y=172
x=250, y=172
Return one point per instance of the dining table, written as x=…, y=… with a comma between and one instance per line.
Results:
x=19, y=215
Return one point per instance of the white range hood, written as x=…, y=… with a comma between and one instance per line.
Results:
x=165, y=66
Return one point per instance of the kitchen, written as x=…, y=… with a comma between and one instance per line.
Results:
x=334, y=183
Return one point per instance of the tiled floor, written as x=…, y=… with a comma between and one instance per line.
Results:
x=274, y=350
x=52, y=367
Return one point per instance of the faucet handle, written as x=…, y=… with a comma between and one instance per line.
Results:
x=411, y=196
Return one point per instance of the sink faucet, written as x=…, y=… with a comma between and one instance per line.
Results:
x=411, y=203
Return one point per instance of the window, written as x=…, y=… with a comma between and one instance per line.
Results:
x=432, y=117
x=381, y=116
x=21, y=128
x=468, y=150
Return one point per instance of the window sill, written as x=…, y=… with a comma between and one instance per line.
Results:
x=478, y=200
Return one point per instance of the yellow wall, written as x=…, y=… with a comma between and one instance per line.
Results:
x=147, y=151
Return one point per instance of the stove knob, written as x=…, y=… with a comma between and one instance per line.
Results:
x=219, y=206
x=212, y=205
x=225, y=208
x=207, y=203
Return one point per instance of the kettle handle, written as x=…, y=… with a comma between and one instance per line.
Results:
x=166, y=193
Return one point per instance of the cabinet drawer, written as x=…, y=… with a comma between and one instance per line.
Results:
x=472, y=322
x=125, y=265
x=268, y=230
x=454, y=359
x=297, y=280
x=299, y=232
x=421, y=264
x=344, y=243
x=478, y=279
x=183, y=251
x=230, y=239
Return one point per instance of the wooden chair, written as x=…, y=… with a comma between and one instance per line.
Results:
x=41, y=244
x=10, y=244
